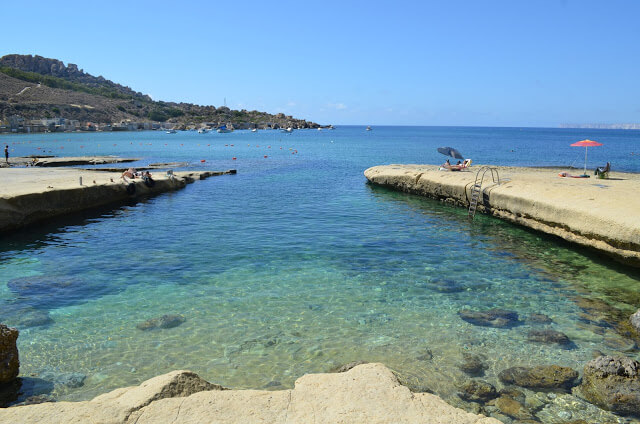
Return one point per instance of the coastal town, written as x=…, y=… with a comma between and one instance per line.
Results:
x=18, y=124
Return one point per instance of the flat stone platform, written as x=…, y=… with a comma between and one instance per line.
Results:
x=368, y=393
x=55, y=161
x=603, y=214
x=31, y=195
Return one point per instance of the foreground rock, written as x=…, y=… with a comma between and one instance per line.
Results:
x=368, y=393
x=574, y=209
x=613, y=383
x=9, y=362
x=552, y=377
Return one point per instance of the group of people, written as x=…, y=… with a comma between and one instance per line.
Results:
x=133, y=173
x=457, y=167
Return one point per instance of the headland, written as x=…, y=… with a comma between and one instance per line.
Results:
x=601, y=214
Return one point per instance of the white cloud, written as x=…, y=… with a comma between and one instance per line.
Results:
x=337, y=106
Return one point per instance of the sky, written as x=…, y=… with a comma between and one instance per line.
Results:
x=470, y=63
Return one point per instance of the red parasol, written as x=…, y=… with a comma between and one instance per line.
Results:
x=586, y=144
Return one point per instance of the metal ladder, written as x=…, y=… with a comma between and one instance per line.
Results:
x=476, y=189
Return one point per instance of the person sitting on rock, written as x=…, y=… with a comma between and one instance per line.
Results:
x=131, y=173
x=148, y=181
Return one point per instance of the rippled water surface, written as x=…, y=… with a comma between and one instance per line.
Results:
x=297, y=265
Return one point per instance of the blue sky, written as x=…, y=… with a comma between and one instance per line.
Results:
x=486, y=63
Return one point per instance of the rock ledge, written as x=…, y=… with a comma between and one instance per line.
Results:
x=367, y=393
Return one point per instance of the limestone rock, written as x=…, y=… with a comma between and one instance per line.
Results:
x=549, y=336
x=347, y=367
x=46, y=291
x=552, y=377
x=367, y=393
x=426, y=355
x=613, y=383
x=499, y=318
x=447, y=286
x=9, y=361
x=69, y=379
x=477, y=391
x=540, y=318
x=511, y=407
x=635, y=320
x=22, y=317
x=165, y=321
x=473, y=365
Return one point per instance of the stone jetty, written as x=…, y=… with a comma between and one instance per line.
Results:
x=603, y=214
x=368, y=393
x=31, y=195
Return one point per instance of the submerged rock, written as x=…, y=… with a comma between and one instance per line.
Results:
x=22, y=389
x=447, y=286
x=165, y=321
x=9, y=361
x=473, y=365
x=550, y=337
x=43, y=291
x=68, y=379
x=426, y=355
x=635, y=321
x=613, y=383
x=24, y=316
x=512, y=408
x=477, y=391
x=551, y=377
x=540, y=318
x=498, y=318
x=347, y=367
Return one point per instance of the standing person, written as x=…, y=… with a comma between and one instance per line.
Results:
x=6, y=153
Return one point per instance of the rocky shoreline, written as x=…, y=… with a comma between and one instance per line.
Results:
x=598, y=214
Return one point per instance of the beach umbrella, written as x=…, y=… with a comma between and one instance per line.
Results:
x=586, y=144
x=450, y=151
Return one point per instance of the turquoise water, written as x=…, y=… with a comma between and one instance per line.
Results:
x=297, y=265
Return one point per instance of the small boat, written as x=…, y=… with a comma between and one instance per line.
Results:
x=368, y=128
x=288, y=130
x=171, y=131
x=223, y=130
x=254, y=130
x=319, y=128
x=203, y=131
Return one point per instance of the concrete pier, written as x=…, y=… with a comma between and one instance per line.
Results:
x=600, y=214
x=31, y=195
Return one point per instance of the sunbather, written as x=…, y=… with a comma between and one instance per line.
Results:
x=131, y=173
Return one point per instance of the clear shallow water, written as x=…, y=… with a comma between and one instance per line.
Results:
x=296, y=265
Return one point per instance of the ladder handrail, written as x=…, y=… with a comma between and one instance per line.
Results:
x=476, y=189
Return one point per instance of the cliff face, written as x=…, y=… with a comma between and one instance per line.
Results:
x=34, y=87
x=56, y=68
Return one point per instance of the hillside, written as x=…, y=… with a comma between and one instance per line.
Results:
x=35, y=87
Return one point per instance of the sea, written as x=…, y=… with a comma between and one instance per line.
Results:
x=297, y=265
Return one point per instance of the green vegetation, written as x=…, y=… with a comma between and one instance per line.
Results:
x=55, y=82
x=157, y=115
x=104, y=96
